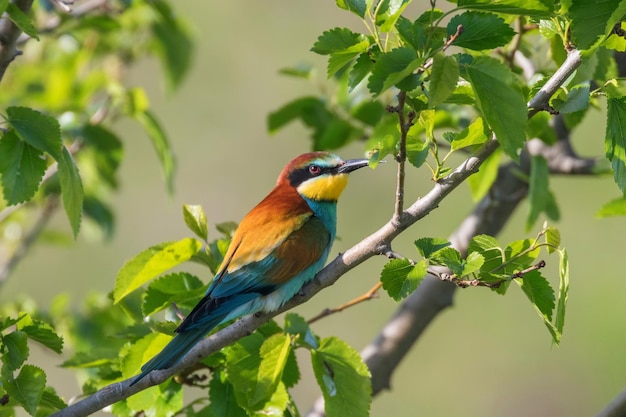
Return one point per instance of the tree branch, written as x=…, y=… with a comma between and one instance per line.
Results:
x=9, y=33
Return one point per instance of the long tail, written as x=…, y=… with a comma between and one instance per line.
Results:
x=172, y=352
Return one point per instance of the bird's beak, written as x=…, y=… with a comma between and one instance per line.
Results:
x=352, y=165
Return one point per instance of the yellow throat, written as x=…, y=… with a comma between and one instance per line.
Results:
x=324, y=188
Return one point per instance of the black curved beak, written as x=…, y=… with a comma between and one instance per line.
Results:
x=352, y=165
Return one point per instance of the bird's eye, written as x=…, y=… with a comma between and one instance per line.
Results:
x=315, y=169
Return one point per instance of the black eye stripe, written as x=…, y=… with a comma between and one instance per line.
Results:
x=298, y=176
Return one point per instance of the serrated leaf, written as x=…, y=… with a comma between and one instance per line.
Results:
x=559, y=320
x=503, y=105
x=21, y=20
x=195, y=219
x=472, y=263
x=358, y=7
x=38, y=130
x=429, y=245
x=480, y=31
x=71, y=189
x=15, y=349
x=490, y=249
x=51, y=399
x=593, y=19
x=391, y=68
x=383, y=140
x=161, y=145
x=27, y=388
x=151, y=263
x=343, y=378
x=44, y=333
x=615, y=207
x=180, y=288
x=474, y=134
x=297, y=325
x=173, y=44
x=340, y=40
x=22, y=167
x=525, y=7
x=291, y=372
x=274, y=353
x=417, y=149
x=541, y=295
x=450, y=258
x=400, y=277
x=615, y=142
x=361, y=68
x=481, y=182
x=553, y=239
x=540, y=197
x=443, y=79
x=519, y=256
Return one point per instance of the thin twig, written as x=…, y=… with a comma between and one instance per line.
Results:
x=370, y=294
x=464, y=283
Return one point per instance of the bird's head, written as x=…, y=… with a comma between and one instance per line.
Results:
x=319, y=176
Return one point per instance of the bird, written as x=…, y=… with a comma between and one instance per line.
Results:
x=279, y=246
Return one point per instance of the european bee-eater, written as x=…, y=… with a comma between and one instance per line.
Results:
x=278, y=247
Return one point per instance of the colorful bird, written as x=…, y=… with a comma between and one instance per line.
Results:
x=278, y=247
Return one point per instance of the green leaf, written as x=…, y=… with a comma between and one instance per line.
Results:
x=22, y=21
x=51, y=399
x=417, y=149
x=291, y=372
x=615, y=207
x=274, y=353
x=503, y=105
x=391, y=68
x=400, y=277
x=312, y=107
x=340, y=40
x=195, y=219
x=44, y=333
x=180, y=288
x=559, y=320
x=22, y=167
x=540, y=294
x=472, y=263
x=553, y=239
x=540, y=126
x=71, y=189
x=173, y=44
x=27, y=388
x=388, y=13
x=615, y=142
x=450, y=258
x=519, y=256
x=443, y=79
x=480, y=31
x=302, y=70
x=593, y=19
x=358, y=7
x=525, y=7
x=108, y=151
x=161, y=145
x=100, y=213
x=36, y=129
x=429, y=245
x=3, y=5
x=343, y=378
x=222, y=396
x=15, y=349
x=474, y=134
x=296, y=325
x=481, y=182
x=152, y=262
x=540, y=197
x=361, y=68
x=490, y=250
x=577, y=100
x=383, y=140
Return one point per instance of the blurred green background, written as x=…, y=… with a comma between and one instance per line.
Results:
x=487, y=356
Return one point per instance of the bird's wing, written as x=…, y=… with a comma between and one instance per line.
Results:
x=262, y=261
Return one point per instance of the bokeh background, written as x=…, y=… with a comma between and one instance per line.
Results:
x=487, y=356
